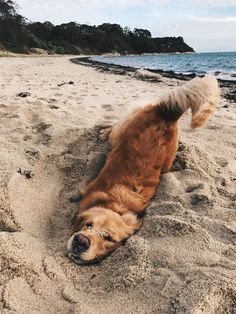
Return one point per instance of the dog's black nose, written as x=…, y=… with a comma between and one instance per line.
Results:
x=80, y=243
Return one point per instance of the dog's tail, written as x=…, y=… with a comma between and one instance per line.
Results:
x=201, y=95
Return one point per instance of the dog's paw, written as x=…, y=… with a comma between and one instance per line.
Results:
x=104, y=133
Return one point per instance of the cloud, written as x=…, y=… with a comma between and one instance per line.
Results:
x=210, y=19
x=130, y=3
x=122, y=4
x=97, y=4
x=215, y=2
x=79, y=7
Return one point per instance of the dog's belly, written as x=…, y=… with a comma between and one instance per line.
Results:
x=136, y=163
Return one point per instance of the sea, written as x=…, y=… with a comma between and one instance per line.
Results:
x=221, y=64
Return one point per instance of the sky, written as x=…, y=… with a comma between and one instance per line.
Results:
x=206, y=25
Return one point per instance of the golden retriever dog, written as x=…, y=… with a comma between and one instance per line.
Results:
x=143, y=146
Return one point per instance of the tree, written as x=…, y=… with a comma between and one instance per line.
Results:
x=18, y=34
x=7, y=9
x=111, y=28
x=13, y=31
x=142, y=33
x=127, y=31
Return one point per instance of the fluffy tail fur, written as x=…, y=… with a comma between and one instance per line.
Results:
x=200, y=94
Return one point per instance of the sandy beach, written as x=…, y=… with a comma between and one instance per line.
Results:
x=183, y=260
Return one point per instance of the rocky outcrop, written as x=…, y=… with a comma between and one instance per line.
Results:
x=145, y=75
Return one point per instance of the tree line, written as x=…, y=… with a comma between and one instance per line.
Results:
x=20, y=35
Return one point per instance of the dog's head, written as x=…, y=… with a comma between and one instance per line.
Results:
x=99, y=231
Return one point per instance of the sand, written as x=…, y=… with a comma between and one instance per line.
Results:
x=183, y=260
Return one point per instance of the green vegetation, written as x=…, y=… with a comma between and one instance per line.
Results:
x=19, y=35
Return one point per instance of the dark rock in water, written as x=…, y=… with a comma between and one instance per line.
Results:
x=231, y=95
x=112, y=69
x=23, y=94
x=126, y=70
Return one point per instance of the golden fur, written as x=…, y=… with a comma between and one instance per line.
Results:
x=144, y=146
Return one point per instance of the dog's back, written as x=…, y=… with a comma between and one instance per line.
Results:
x=145, y=146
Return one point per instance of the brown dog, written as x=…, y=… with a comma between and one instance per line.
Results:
x=144, y=146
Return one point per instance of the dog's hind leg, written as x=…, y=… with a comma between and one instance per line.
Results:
x=110, y=133
x=115, y=132
x=171, y=150
x=120, y=127
x=169, y=162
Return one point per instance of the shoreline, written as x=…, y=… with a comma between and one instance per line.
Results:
x=122, y=70
x=119, y=69
x=228, y=86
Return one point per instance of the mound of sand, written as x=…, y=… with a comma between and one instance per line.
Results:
x=183, y=260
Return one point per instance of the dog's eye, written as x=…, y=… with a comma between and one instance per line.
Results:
x=89, y=226
x=108, y=238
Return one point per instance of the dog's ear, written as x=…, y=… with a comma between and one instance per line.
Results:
x=132, y=221
x=77, y=221
x=93, y=199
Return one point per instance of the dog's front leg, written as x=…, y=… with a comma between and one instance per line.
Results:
x=76, y=198
x=105, y=132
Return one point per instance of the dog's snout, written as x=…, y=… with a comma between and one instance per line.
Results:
x=80, y=243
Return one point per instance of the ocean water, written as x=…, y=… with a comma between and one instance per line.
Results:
x=221, y=64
